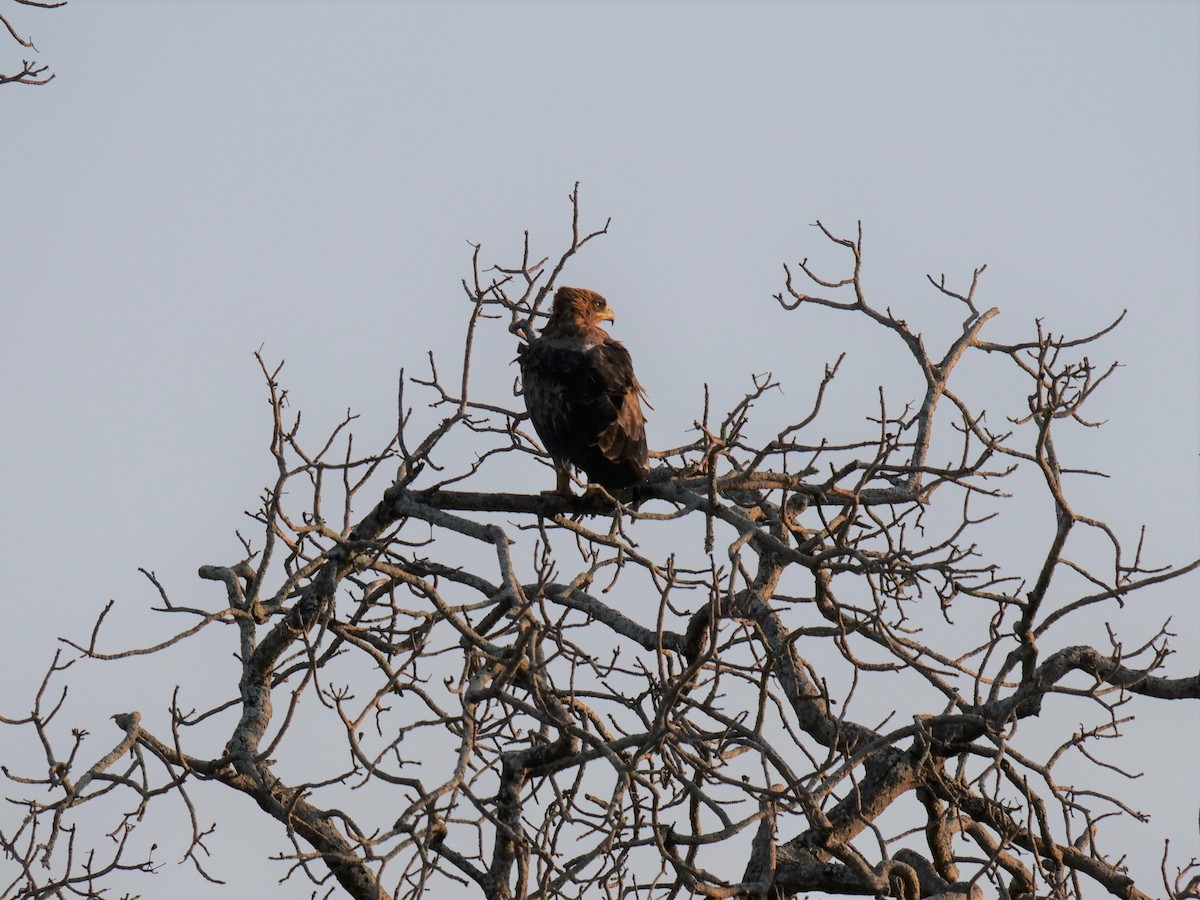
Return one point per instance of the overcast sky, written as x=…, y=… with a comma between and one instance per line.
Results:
x=203, y=179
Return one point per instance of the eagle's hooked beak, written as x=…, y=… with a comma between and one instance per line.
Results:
x=607, y=314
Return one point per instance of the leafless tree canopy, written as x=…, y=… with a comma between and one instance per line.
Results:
x=519, y=695
x=31, y=71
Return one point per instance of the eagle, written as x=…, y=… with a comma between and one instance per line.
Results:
x=582, y=395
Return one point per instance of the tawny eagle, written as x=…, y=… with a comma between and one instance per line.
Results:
x=582, y=395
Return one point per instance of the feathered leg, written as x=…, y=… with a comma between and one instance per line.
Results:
x=562, y=471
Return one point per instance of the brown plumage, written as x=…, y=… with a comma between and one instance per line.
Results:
x=582, y=395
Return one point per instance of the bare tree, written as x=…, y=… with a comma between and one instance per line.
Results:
x=523, y=695
x=32, y=72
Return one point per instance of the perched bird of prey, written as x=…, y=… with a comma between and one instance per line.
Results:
x=582, y=395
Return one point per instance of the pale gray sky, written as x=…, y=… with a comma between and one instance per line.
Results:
x=204, y=178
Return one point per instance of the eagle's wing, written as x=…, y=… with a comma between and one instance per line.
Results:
x=623, y=438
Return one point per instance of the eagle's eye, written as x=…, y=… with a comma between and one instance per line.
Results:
x=598, y=303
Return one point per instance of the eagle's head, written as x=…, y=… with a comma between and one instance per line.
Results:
x=578, y=310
